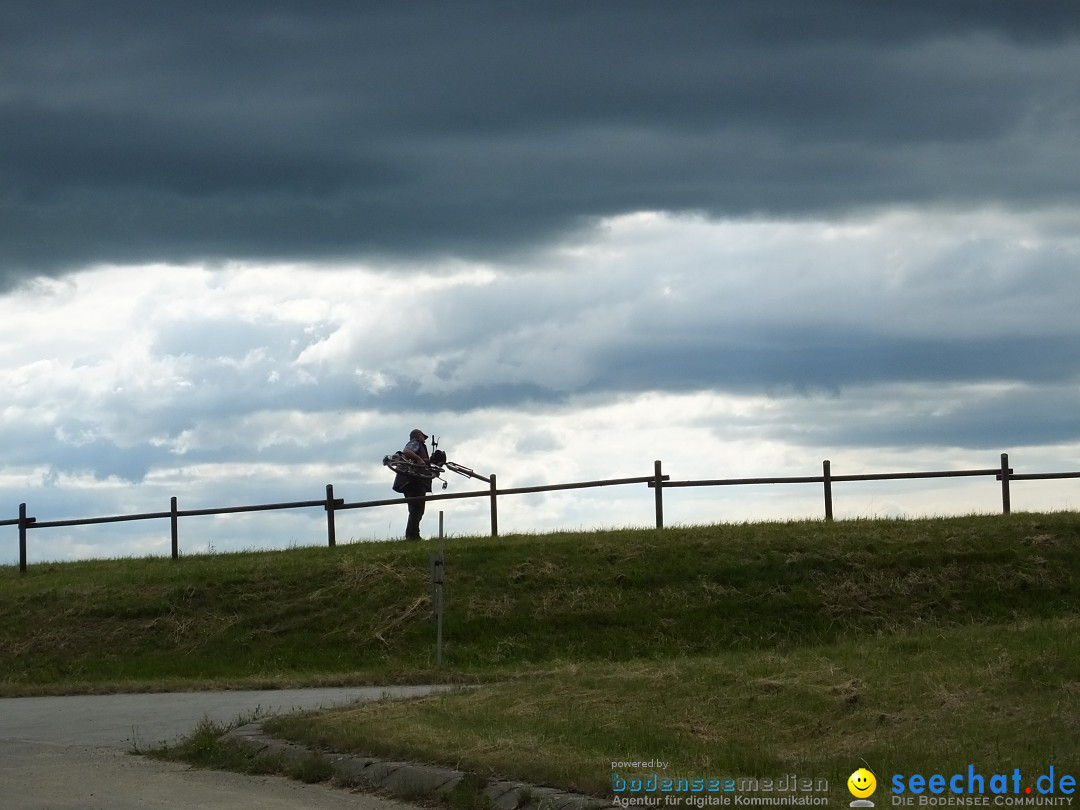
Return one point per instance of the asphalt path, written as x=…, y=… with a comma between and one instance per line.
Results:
x=73, y=752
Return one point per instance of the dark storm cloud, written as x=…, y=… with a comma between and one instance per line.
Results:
x=811, y=362
x=172, y=132
x=997, y=418
x=820, y=360
x=85, y=449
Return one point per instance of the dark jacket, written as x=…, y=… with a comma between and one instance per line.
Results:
x=401, y=480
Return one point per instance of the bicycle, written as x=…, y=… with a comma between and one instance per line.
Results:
x=438, y=463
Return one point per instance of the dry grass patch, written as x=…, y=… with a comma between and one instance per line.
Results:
x=896, y=702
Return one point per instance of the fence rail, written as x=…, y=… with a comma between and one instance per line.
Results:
x=658, y=482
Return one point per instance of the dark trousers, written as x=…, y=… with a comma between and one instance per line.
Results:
x=416, y=509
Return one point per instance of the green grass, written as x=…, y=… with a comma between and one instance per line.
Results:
x=361, y=612
x=1002, y=695
x=743, y=650
x=204, y=748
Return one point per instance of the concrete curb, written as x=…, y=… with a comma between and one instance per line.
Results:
x=410, y=781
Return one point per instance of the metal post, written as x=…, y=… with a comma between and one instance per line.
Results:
x=174, y=521
x=658, y=495
x=438, y=612
x=1006, y=501
x=826, y=474
x=440, y=573
x=22, y=538
x=331, y=529
x=494, y=509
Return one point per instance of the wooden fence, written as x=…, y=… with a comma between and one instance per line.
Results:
x=658, y=482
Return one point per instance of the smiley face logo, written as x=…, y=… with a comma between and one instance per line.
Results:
x=862, y=783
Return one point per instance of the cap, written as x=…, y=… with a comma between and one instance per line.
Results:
x=417, y=432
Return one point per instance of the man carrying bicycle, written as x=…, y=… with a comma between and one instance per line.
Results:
x=412, y=487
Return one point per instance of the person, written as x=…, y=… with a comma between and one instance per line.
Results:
x=413, y=487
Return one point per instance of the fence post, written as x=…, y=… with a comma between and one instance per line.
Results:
x=22, y=538
x=331, y=528
x=494, y=509
x=174, y=525
x=826, y=476
x=438, y=572
x=1006, y=501
x=658, y=494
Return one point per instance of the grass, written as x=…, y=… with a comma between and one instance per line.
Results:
x=743, y=650
x=204, y=748
x=1004, y=695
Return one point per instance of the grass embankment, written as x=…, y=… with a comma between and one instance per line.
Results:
x=749, y=650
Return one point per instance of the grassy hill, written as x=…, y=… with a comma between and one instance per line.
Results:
x=745, y=649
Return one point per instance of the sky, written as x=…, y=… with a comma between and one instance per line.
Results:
x=246, y=247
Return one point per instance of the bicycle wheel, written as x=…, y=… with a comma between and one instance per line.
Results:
x=400, y=464
x=423, y=471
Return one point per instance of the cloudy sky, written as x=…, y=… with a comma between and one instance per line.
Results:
x=246, y=246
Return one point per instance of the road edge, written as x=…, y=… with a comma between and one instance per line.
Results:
x=409, y=780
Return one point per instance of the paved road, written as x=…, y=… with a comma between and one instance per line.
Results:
x=75, y=752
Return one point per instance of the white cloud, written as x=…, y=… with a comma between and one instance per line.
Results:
x=725, y=349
